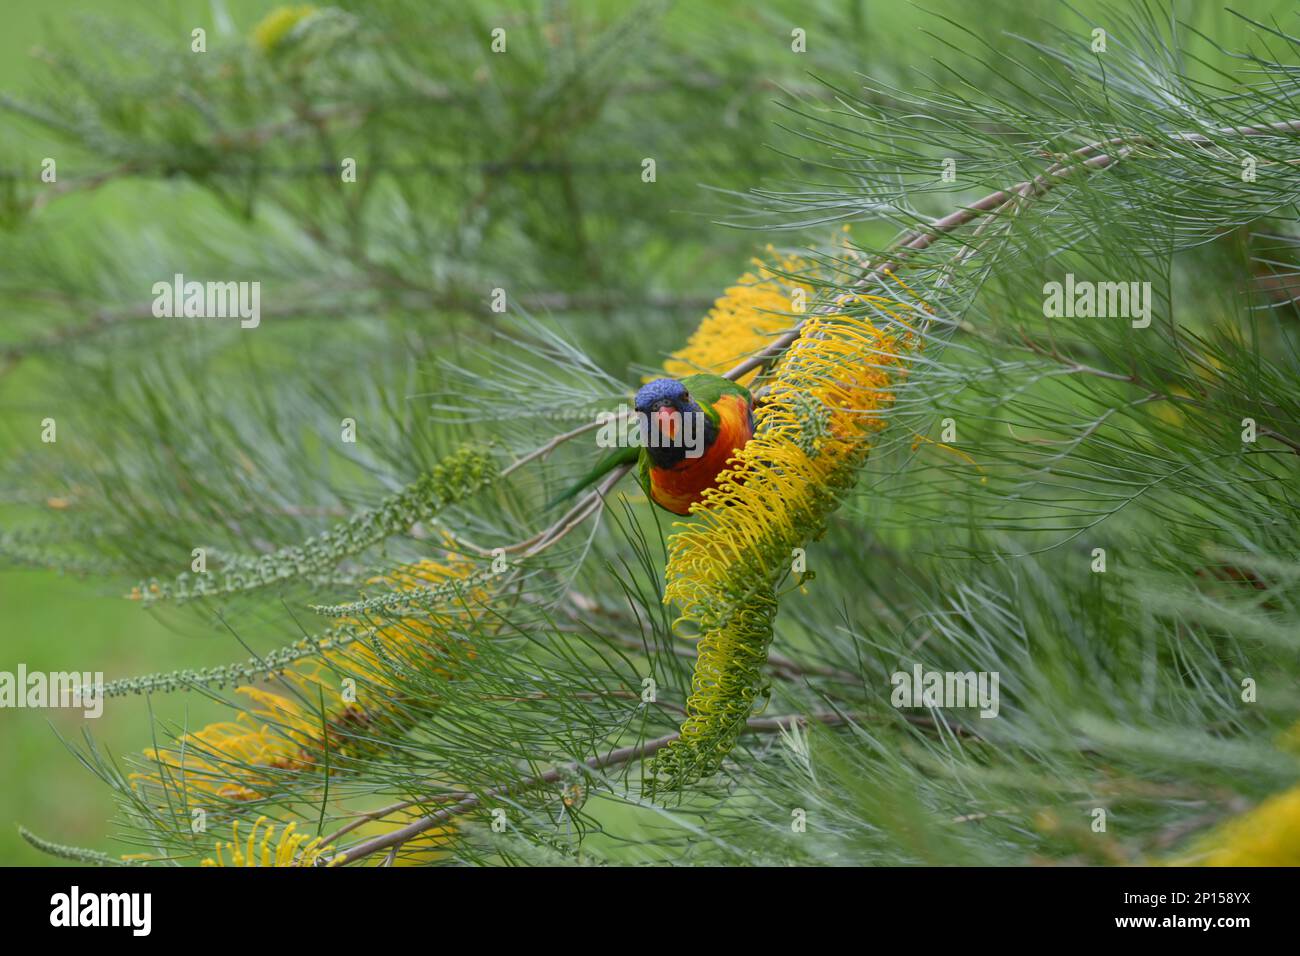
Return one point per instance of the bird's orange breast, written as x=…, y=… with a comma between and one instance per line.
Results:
x=677, y=488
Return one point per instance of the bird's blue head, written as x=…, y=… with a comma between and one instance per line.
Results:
x=662, y=393
x=673, y=426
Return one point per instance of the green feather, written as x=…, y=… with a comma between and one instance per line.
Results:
x=707, y=388
x=615, y=459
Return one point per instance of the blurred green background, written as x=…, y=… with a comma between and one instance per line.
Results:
x=51, y=622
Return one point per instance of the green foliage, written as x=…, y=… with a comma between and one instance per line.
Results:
x=446, y=483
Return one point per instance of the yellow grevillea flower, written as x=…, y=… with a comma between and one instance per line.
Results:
x=276, y=25
x=1268, y=835
x=825, y=401
x=294, y=849
x=283, y=733
x=760, y=306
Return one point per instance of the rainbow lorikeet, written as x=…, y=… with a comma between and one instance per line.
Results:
x=689, y=429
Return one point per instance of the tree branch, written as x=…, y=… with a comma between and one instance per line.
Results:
x=1089, y=158
x=613, y=758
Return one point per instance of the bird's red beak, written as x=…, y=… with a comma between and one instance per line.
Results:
x=667, y=422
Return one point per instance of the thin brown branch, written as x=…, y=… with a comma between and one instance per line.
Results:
x=1278, y=436
x=361, y=818
x=1089, y=158
x=549, y=447
x=613, y=758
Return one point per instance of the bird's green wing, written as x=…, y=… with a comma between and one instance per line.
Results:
x=643, y=473
x=706, y=388
x=615, y=459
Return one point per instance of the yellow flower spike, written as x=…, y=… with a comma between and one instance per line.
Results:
x=825, y=402
x=1268, y=835
x=279, y=734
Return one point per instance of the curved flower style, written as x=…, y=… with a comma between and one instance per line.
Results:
x=294, y=849
x=825, y=400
